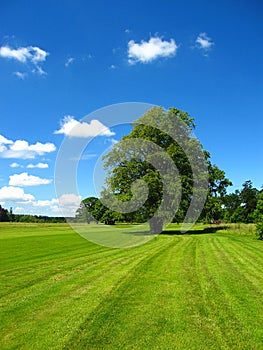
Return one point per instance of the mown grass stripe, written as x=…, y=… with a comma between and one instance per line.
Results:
x=102, y=327
x=244, y=299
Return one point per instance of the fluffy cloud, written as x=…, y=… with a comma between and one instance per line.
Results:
x=45, y=203
x=24, y=54
x=74, y=128
x=16, y=194
x=69, y=203
x=24, y=179
x=30, y=55
x=148, y=51
x=204, y=42
x=4, y=140
x=66, y=204
x=38, y=165
x=22, y=149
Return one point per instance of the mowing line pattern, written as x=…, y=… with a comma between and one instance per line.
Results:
x=193, y=291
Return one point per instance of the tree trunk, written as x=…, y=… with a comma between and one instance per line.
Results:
x=156, y=225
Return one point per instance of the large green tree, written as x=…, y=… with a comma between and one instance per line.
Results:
x=172, y=134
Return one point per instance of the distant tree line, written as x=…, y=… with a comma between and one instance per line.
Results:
x=8, y=216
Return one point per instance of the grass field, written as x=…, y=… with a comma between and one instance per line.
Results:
x=202, y=290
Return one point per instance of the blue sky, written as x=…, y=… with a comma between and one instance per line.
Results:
x=70, y=58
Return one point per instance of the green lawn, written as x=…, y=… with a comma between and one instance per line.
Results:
x=202, y=290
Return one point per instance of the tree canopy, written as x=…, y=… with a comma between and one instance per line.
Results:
x=135, y=159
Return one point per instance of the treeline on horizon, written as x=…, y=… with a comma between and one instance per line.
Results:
x=8, y=216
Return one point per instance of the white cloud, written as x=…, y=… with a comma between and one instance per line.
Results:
x=45, y=203
x=38, y=55
x=24, y=54
x=67, y=204
x=5, y=140
x=148, y=51
x=22, y=149
x=2, y=148
x=10, y=193
x=204, y=42
x=112, y=66
x=21, y=54
x=69, y=199
x=74, y=128
x=20, y=75
x=69, y=61
x=14, y=165
x=38, y=165
x=32, y=55
x=24, y=179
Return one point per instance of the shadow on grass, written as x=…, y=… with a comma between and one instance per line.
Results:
x=206, y=230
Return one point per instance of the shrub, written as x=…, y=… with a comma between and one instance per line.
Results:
x=259, y=230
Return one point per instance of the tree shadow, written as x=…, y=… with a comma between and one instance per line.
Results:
x=140, y=233
x=206, y=230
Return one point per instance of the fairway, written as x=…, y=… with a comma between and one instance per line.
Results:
x=202, y=290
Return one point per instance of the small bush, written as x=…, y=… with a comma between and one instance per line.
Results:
x=259, y=230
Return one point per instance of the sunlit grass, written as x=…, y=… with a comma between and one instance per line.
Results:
x=201, y=290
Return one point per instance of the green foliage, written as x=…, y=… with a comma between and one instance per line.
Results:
x=231, y=202
x=259, y=230
x=248, y=196
x=213, y=209
x=92, y=209
x=109, y=217
x=218, y=183
x=244, y=205
x=258, y=213
x=3, y=214
x=238, y=215
x=258, y=216
x=86, y=211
